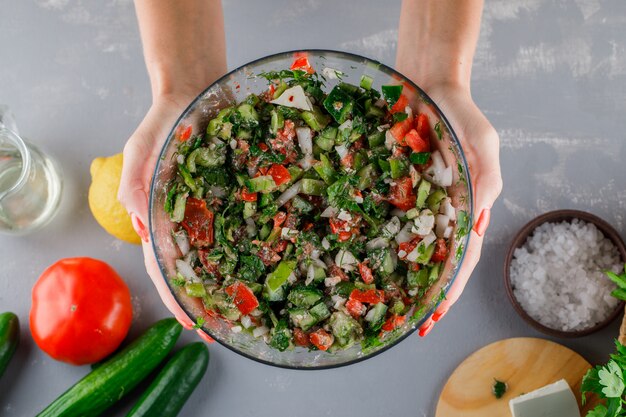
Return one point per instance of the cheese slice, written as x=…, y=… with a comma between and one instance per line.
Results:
x=294, y=97
x=554, y=400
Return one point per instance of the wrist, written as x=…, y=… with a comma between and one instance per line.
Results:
x=179, y=80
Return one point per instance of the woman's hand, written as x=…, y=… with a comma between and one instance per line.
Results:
x=436, y=43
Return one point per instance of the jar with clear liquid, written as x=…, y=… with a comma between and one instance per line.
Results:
x=30, y=185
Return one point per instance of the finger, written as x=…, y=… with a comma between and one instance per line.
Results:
x=134, y=183
x=164, y=291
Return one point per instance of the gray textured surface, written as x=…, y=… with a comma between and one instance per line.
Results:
x=550, y=75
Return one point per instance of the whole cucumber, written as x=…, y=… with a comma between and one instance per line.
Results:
x=171, y=388
x=9, y=338
x=108, y=383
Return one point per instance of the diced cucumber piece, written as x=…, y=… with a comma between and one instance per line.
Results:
x=343, y=289
x=281, y=336
x=274, y=295
x=263, y=184
x=383, y=258
x=359, y=161
x=324, y=143
x=216, y=124
x=325, y=169
x=391, y=93
x=416, y=279
x=424, y=254
x=373, y=112
x=313, y=187
x=422, y=193
x=318, y=274
x=295, y=172
x=280, y=89
x=399, y=167
x=330, y=133
x=345, y=329
x=301, y=317
x=265, y=231
x=367, y=175
x=304, y=296
x=249, y=208
x=315, y=119
x=383, y=165
x=320, y=311
x=277, y=121
x=301, y=205
x=265, y=200
x=434, y=200
x=195, y=289
x=279, y=276
x=178, y=214
x=187, y=178
x=397, y=307
x=249, y=116
x=376, y=139
x=366, y=82
x=376, y=316
x=434, y=273
x=339, y=104
x=412, y=213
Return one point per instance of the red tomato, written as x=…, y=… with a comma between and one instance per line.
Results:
x=355, y=308
x=183, y=133
x=441, y=251
x=321, y=339
x=366, y=273
x=400, y=105
x=393, y=321
x=279, y=174
x=243, y=297
x=399, y=130
x=300, y=338
x=81, y=310
x=279, y=219
x=416, y=142
x=263, y=147
x=368, y=296
x=301, y=62
x=422, y=126
x=246, y=196
x=401, y=194
x=198, y=222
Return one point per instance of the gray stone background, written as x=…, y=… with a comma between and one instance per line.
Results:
x=550, y=75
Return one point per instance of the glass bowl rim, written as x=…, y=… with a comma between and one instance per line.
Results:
x=387, y=69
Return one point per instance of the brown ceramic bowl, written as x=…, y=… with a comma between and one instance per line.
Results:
x=557, y=217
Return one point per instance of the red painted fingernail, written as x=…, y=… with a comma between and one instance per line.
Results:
x=139, y=227
x=205, y=336
x=425, y=330
x=439, y=316
x=483, y=222
x=185, y=322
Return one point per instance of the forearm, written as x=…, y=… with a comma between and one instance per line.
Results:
x=183, y=43
x=437, y=40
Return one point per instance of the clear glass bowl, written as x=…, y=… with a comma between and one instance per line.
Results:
x=235, y=86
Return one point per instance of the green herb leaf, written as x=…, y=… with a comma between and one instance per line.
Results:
x=391, y=93
x=599, y=411
x=499, y=388
x=199, y=323
x=400, y=116
x=419, y=158
x=438, y=130
x=612, y=379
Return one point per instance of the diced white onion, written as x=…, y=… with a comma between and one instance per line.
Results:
x=447, y=208
x=250, y=227
x=236, y=329
x=398, y=213
x=306, y=162
x=186, y=270
x=445, y=179
x=441, y=224
x=358, y=199
x=260, y=331
x=424, y=223
x=331, y=281
x=233, y=144
x=319, y=263
x=392, y=227
x=415, y=176
x=289, y=193
x=402, y=254
x=214, y=141
x=448, y=232
x=376, y=243
x=252, y=171
x=438, y=163
x=246, y=322
x=304, y=140
x=346, y=260
x=218, y=192
x=342, y=151
x=381, y=128
x=180, y=159
x=380, y=103
x=325, y=244
x=344, y=215
x=182, y=241
x=310, y=275
x=287, y=233
x=409, y=112
x=338, y=301
x=291, y=279
x=345, y=125
x=329, y=211
x=389, y=140
x=405, y=234
x=370, y=315
x=256, y=312
x=331, y=73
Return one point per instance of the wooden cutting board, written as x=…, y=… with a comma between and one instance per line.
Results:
x=524, y=363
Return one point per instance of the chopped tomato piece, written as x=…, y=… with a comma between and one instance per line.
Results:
x=393, y=321
x=307, y=226
x=409, y=246
x=348, y=160
x=301, y=62
x=415, y=141
x=422, y=126
x=280, y=246
x=279, y=174
x=400, y=105
x=271, y=91
x=246, y=196
x=243, y=297
x=321, y=339
x=401, y=194
x=355, y=308
x=183, y=133
x=414, y=267
x=368, y=296
x=399, y=130
x=344, y=236
x=198, y=222
x=300, y=338
x=335, y=271
x=441, y=251
x=279, y=219
x=263, y=146
x=366, y=273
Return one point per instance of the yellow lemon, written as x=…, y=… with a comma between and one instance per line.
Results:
x=105, y=207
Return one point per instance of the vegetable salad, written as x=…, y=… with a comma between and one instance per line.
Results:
x=312, y=218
